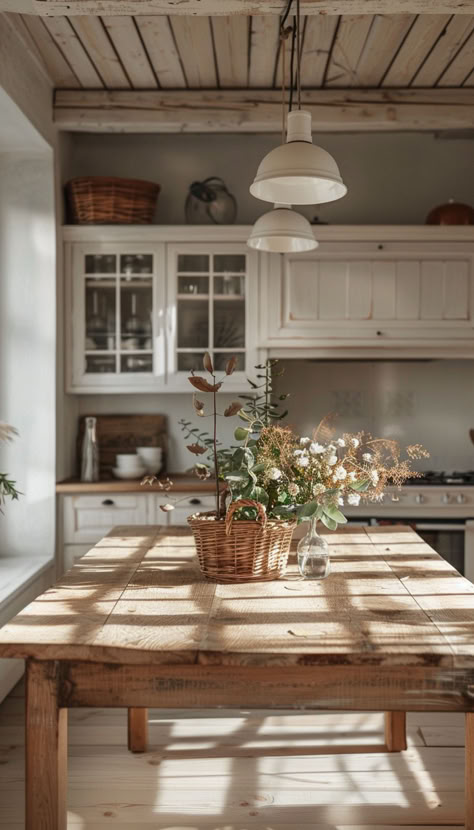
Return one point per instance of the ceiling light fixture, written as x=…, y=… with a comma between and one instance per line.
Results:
x=297, y=172
x=282, y=231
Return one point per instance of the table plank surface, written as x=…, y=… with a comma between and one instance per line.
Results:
x=139, y=597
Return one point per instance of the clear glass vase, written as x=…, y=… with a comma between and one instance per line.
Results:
x=313, y=554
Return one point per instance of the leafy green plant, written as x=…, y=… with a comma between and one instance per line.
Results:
x=7, y=485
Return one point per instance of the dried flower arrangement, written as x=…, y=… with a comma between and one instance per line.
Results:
x=7, y=485
x=292, y=477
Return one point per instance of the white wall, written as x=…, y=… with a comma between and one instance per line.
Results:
x=28, y=347
x=393, y=178
x=429, y=402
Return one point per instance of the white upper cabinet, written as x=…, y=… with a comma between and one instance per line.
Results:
x=116, y=302
x=373, y=295
x=143, y=305
x=213, y=309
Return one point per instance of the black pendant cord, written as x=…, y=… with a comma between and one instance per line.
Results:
x=295, y=50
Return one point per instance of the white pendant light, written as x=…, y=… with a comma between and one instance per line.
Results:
x=298, y=172
x=282, y=231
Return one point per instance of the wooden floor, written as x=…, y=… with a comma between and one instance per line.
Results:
x=247, y=771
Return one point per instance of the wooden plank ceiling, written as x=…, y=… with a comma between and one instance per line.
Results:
x=240, y=52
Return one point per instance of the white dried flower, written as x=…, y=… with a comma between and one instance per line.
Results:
x=274, y=473
x=374, y=477
x=316, y=449
x=304, y=441
x=340, y=442
x=340, y=473
x=355, y=442
x=318, y=489
x=367, y=456
x=332, y=460
x=298, y=452
x=293, y=489
x=302, y=461
x=340, y=501
x=354, y=499
x=352, y=476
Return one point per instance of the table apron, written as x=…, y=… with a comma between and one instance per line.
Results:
x=316, y=687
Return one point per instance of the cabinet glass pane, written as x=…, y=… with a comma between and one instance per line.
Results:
x=101, y=263
x=231, y=286
x=221, y=358
x=99, y=364
x=188, y=361
x=230, y=263
x=229, y=324
x=136, y=264
x=193, y=324
x=136, y=307
x=136, y=363
x=193, y=285
x=189, y=263
x=100, y=314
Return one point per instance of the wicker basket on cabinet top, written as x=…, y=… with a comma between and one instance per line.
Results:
x=107, y=200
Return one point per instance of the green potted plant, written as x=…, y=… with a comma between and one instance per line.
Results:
x=7, y=485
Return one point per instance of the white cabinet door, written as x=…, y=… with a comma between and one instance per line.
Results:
x=211, y=307
x=368, y=293
x=87, y=518
x=114, y=317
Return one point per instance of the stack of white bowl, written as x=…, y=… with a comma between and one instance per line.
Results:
x=146, y=460
x=128, y=466
x=151, y=458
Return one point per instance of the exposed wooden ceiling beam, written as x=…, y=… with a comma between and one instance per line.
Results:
x=224, y=7
x=255, y=111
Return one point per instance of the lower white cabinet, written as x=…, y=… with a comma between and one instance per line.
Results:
x=89, y=517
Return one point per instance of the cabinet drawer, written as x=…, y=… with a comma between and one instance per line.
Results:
x=89, y=518
x=193, y=503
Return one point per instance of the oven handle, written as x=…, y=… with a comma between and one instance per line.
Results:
x=461, y=526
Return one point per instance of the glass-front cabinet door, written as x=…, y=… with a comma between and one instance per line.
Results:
x=118, y=300
x=212, y=311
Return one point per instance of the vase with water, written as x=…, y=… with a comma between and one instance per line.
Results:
x=313, y=554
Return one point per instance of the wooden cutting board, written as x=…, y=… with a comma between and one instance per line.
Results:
x=122, y=434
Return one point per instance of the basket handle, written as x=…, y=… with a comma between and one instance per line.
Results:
x=236, y=505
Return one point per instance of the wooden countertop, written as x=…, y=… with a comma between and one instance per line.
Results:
x=182, y=483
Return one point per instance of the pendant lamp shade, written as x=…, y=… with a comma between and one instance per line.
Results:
x=282, y=231
x=298, y=172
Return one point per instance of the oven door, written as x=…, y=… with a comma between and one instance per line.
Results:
x=447, y=537
x=453, y=539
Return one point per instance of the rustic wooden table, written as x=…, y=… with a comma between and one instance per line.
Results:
x=134, y=624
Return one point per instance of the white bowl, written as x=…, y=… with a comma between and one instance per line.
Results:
x=129, y=474
x=150, y=455
x=128, y=461
x=153, y=469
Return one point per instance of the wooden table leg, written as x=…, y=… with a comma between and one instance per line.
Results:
x=395, y=731
x=138, y=730
x=469, y=774
x=46, y=749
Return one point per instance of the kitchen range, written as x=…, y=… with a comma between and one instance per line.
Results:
x=439, y=506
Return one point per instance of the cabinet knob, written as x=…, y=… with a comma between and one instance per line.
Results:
x=379, y=333
x=108, y=502
x=380, y=247
x=195, y=501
